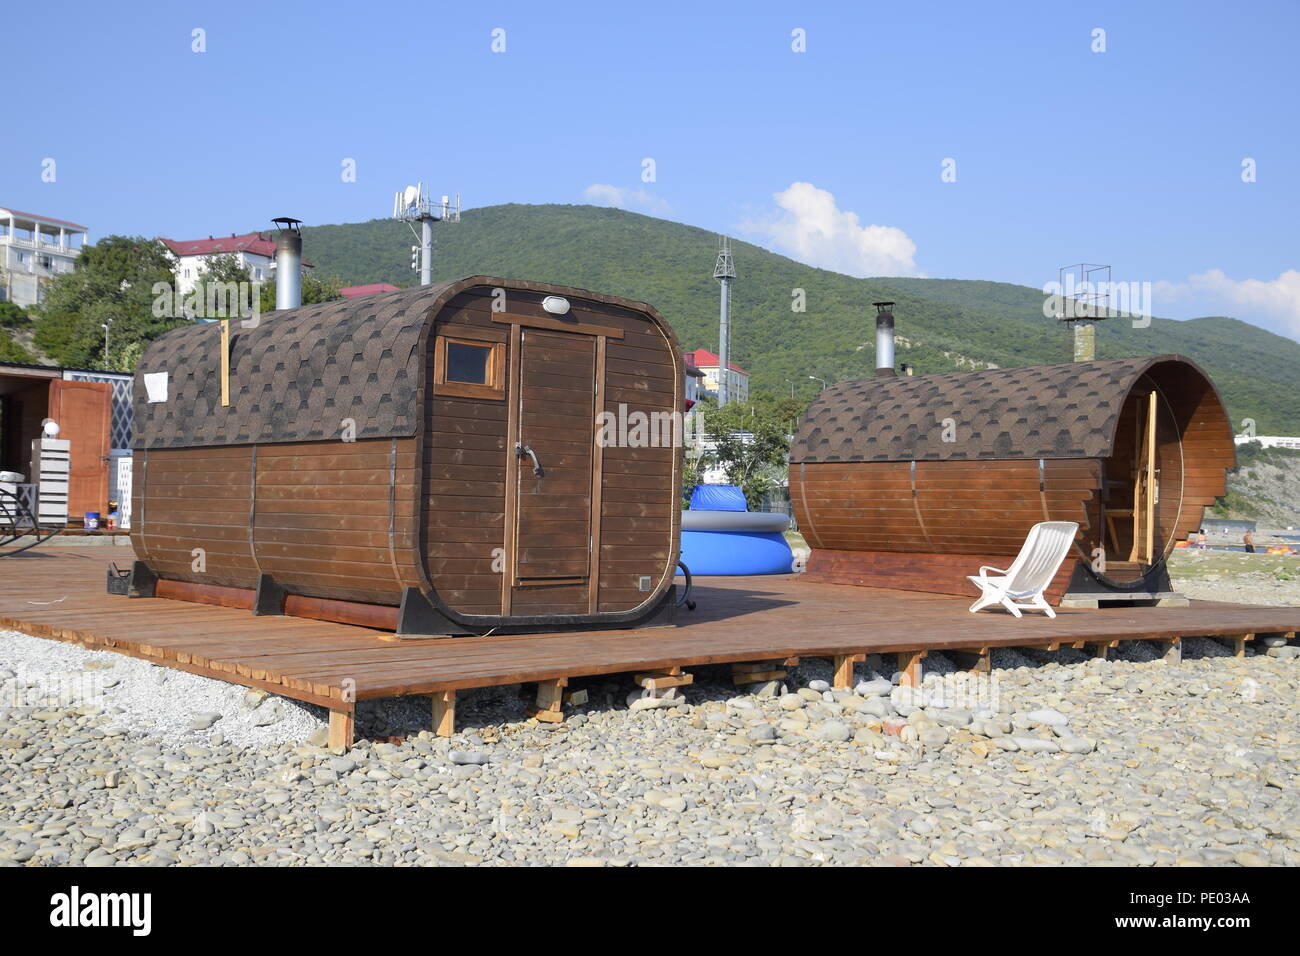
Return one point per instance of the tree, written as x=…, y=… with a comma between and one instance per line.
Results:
x=12, y=317
x=749, y=441
x=114, y=280
x=12, y=351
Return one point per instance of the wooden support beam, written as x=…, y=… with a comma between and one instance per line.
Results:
x=974, y=661
x=909, y=664
x=757, y=672
x=444, y=713
x=1174, y=652
x=1238, y=642
x=1101, y=649
x=343, y=729
x=844, y=669
x=662, y=680
x=550, y=701
x=225, y=362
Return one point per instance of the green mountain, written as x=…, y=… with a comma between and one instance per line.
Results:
x=943, y=324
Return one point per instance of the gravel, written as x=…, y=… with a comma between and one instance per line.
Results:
x=1055, y=758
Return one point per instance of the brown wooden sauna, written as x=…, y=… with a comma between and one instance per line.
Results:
x=426, y=460
x=913, y=482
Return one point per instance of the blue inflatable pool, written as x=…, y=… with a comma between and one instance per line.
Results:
x=723, y=538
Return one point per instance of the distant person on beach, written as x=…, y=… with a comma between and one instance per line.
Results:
x=1248, y=539
x=1201, y=538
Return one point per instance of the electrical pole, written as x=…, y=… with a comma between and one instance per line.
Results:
x=411, y=205
x=724, y=270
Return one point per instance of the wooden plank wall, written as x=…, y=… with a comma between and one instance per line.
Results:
x=960, y=507
x=318, y=523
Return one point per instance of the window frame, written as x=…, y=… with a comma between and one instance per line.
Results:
x=495, y=388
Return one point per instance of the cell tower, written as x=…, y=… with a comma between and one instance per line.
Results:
x=724, y=270
x=1084, y=300
x=412, y=205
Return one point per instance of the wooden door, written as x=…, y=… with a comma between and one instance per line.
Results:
x=554, y=450
x=83, y=411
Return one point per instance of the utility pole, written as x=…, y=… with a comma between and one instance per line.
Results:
x=104, y=325
x=412, y=205
x=724, y=270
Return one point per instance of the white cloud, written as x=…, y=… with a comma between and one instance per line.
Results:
x=812, y=228
x=1271, y=302
x=603, y=194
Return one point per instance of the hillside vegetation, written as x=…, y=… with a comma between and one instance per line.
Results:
x=943, y=324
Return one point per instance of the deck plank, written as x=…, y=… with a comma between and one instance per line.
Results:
x=59, y=594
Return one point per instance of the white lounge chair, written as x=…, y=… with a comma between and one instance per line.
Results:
x=1022, y=585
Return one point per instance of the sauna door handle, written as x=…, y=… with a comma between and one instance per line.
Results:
x=521, y=450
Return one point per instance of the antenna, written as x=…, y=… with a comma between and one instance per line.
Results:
x=724, y=270
x=1084, y=300
x=412, y=205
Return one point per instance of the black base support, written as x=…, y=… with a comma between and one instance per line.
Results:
x=1087, y=581
x=416, y=617
x=269, y=600
x=143, y=581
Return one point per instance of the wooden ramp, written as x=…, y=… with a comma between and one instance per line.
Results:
x=60, y=594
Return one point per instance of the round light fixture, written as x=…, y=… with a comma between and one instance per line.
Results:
x=556, y=304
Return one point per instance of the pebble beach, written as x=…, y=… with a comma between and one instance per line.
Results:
x=1053, y=758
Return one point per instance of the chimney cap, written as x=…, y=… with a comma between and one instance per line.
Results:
x=882, y=305
x=287, y=223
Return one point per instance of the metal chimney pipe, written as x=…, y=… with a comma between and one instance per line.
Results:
x=884, y=338
x=288, y=264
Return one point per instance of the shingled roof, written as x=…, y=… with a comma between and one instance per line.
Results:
x=300, y=372
x=1043, y=411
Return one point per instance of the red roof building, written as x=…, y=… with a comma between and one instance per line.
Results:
x=253, y=250
x=710, y=365
x=703, y=358
x=374, y=288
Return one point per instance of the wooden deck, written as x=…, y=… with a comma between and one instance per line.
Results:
x=60, y=594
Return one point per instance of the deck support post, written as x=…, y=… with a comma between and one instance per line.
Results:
x=1101, y=649
x=1239, y=644
x=978, y=661
x=444, y=712
x=909, y=667
x=844, y=670
x=663, y=679
x=550, y=701
x=343, y=730
x=760, y=672
x=1174, y=651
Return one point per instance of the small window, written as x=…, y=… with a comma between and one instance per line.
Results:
x=469, y=367
x=468, y=363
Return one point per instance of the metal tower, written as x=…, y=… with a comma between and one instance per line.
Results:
x=724, y=270
x=1084, y=300
x=412, y=205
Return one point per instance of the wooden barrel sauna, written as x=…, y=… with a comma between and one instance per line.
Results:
x=434, y=449
x=913, y=482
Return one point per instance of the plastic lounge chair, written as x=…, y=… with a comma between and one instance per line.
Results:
x=1021, y=586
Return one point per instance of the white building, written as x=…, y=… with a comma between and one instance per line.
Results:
x=710, y=365
x=1269, y=441
x=693, y=379
x=254, y=251
x=33, y=249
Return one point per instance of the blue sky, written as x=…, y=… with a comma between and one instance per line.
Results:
x=1131, y=157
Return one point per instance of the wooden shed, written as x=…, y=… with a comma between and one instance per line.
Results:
x=913, y=482
x=427, y=460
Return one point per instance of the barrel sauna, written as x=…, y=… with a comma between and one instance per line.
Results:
x=914, y=482
x=429, y=460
